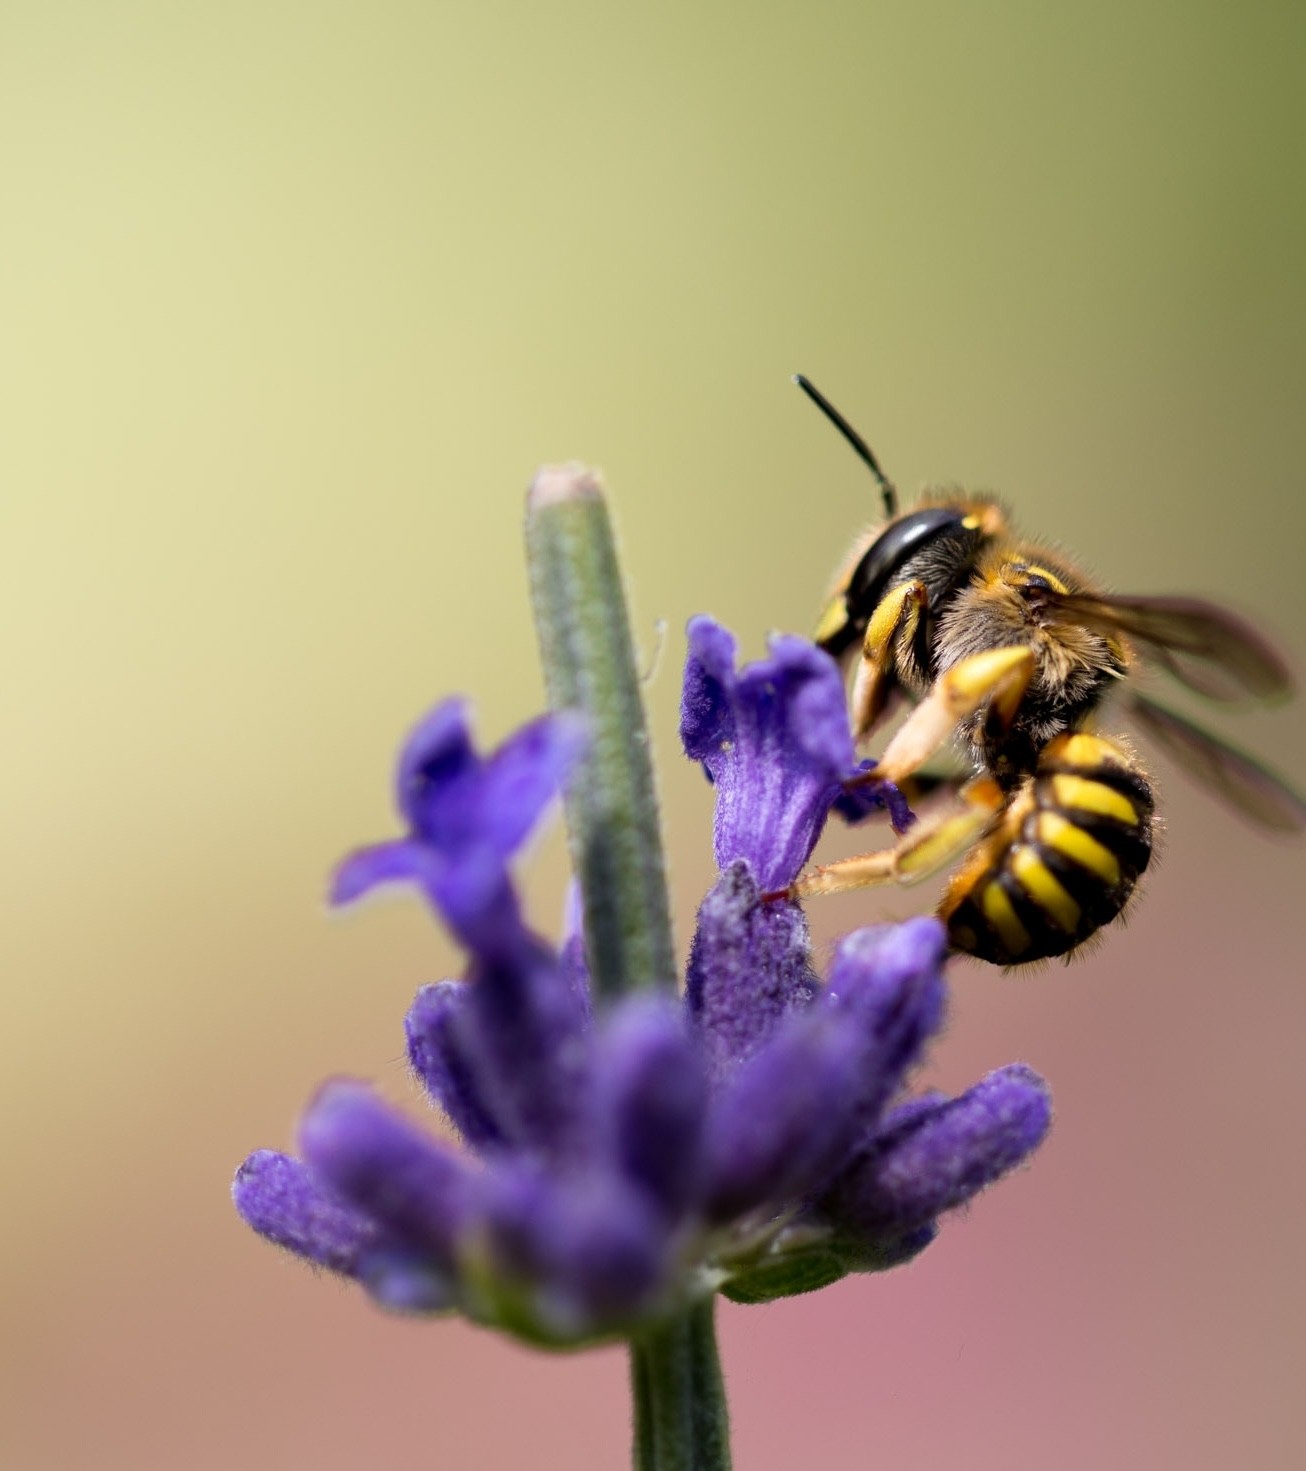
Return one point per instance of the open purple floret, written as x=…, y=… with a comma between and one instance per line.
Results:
x=750, y=1137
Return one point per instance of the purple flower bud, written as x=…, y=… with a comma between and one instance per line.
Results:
x=382, y=1165
x=505, y=1053
x=929, y=1159
x=438, y=1055
x=890, y=978
x=406, y=1281
x=649, y=1102
x=280, y=1198
x=525, y=1035
x=783, y=1121
x=588, y=1250
x=456, y=801
x=749, y=967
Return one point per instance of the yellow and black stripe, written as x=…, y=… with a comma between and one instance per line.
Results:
x=1064, y=860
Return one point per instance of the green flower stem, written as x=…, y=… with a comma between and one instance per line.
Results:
x=589, y=665
x=680, y=1401
x=612, y=819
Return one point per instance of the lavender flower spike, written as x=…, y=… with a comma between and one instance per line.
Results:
x=625, y=1154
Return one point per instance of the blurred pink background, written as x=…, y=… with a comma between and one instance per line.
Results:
x=294, y=300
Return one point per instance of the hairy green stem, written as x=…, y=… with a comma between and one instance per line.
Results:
x=681, y=1422
x=589, y=666
x=612, y=819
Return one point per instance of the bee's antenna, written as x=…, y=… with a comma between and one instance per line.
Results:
x=887, y=488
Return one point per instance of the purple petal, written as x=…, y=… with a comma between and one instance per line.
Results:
x=935, y=1158
x=280, y=1199
x=786, y=1119
x=775, y=741
x=437, y=756
x=467, y=815
x=889, y=978
x=526, y=773
x=436, y=1049
x=650, y=1098
x=748, y=968
x=456, y=801
x=398, y=862
x=590, y=1250
x=859, y=800
x=475, y=896
x=706, y=718
x=385, y=1166
x=472, y=890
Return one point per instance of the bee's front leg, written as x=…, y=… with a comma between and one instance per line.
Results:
x=896, y=614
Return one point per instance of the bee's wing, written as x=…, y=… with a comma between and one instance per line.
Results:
x=1208, y=648
x=1220, y=769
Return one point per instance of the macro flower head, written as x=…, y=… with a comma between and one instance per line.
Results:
x=624, y=1156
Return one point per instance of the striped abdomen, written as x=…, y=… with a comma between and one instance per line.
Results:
x=1063, y=860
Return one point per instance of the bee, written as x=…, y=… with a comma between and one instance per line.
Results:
x=1009, y=649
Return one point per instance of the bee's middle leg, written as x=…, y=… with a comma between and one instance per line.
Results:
x=997, y=678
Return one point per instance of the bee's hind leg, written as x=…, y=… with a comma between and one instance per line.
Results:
x=926, y=847
x=997, y=678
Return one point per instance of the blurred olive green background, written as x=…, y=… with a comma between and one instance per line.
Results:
x=293, y=298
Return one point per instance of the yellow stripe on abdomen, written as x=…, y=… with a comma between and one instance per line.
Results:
x=1082, y=751
x=1037, y=880
x=1001, y=914
x=1086, y=795
x=1072, y=842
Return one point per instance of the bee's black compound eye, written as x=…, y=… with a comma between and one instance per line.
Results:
x=887, y=555
x=893, y=547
